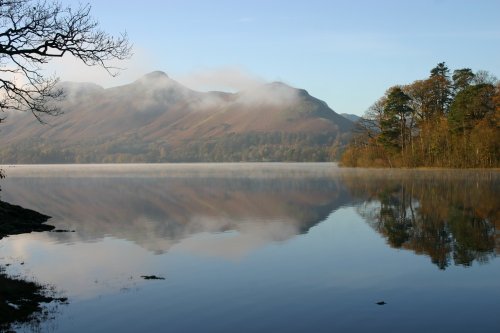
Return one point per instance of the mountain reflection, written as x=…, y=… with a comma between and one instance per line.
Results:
x=451, y=216
x=158, y=212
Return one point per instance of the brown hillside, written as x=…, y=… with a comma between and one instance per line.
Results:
x=158, y=111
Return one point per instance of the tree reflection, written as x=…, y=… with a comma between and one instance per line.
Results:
x=450, y=217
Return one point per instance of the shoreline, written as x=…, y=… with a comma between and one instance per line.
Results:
x=15, y=220
x=21, y=300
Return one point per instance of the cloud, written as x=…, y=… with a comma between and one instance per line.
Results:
x=252, y=89
x=274, y=94
x=72, y=69
x=230, y=78
x=245, y=237
x=82, y=270
x=225, y=79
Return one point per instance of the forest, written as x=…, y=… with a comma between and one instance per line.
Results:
x=233, y=147
x=447, y=120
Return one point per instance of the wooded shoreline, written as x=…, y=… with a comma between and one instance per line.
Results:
x=436, y=122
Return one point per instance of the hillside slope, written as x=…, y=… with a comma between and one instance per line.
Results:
x=156, y=119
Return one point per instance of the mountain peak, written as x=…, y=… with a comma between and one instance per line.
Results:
x=278, y=84
x=155, y=75
x=283, y=87
x=156, y=79
x=157, y=119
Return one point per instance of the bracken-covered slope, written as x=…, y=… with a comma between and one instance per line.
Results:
x=156, y=119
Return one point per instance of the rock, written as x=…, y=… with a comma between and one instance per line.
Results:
x=152, y=277
x=23, y=301
x=18, y=220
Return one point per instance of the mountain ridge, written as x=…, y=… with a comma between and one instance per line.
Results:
x=158, y=115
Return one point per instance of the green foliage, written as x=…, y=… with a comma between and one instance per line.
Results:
x=424, y=124
x=462, y=78
x=440, y=89
x=440, y=70
x=393, y=121
x=247, y=147
x=471, y=105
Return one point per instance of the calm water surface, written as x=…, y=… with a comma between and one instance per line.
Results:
x=261, y=248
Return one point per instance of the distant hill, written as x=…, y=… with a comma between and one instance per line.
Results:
x=156, y=119
x=352, y=117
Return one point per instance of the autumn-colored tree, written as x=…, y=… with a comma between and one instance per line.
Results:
x=421, y=99
x=496, y=98
x=432, y=122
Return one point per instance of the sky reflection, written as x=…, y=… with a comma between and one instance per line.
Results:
x=268, y=246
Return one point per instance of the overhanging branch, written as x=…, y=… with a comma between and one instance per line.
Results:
x=32, y=33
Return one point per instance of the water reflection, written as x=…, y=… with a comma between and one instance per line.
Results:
x=451, y=216
x=25, y=304
x=158, y=212
x=144, y=222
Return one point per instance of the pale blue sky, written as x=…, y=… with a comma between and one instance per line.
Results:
x=344, y=52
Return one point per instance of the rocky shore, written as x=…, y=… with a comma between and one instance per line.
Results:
x=16, y=220
x=21, y=301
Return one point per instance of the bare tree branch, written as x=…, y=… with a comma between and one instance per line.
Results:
x=32, y=33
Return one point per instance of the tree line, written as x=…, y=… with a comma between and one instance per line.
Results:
x=234, y=147
x=442, y=121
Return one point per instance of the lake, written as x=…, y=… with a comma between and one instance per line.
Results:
x=260, y=248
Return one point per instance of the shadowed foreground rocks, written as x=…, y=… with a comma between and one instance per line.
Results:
x=22, y=301
x=16, y=220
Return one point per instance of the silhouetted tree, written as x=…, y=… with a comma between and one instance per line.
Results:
x=32, y=33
